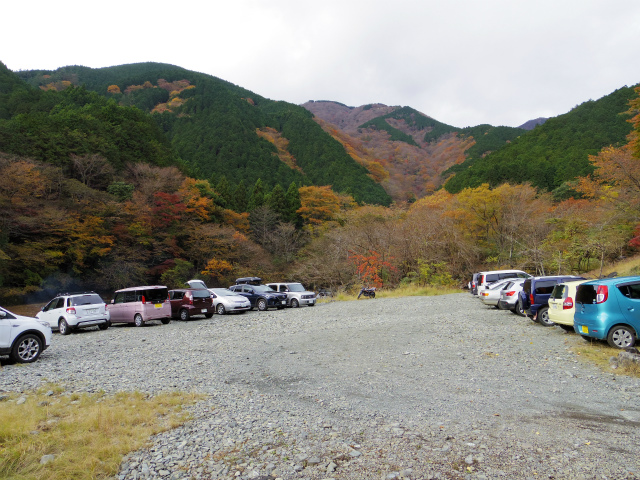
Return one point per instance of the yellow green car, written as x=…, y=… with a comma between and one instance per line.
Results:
x=562, y=304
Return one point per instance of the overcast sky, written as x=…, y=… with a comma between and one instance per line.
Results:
x=463, y=62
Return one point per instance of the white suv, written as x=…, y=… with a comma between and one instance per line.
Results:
x=69, y=311
x=23, y=338
x=297, y=295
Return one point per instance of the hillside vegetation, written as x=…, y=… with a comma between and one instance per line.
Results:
x=212, y=125
x=553, y=153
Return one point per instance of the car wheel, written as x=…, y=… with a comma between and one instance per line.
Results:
x=165, y=321
x=137, y=320
x=519, y=310
x=184, y=315
x=262, y=304
x=621, y=336
x=104, y=326
x=208, y=315
x=543, y=317
x=220, y=310
x=63, y=327
x=294, y=303
x=27, y=349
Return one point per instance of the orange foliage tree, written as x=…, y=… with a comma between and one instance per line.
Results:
x=370, y=267
x=321, y=204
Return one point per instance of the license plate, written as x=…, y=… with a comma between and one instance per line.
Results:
x=158, y=305
x=584, y=329
x=92, y=311
x=284, y=302
x=204, y=310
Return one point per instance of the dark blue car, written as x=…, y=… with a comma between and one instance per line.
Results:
x=535, y=294
x=261, y=296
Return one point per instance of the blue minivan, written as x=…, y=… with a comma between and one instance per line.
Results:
x=609, y=309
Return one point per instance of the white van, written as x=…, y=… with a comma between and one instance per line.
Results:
x=489, y=277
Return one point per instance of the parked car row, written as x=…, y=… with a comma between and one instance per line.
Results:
x=602, y=309
x=25, y=338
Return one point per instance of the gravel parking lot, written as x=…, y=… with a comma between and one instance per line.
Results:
x=418, y=387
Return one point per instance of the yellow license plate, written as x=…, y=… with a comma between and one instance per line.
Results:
x=584, y=329
x=158, y=305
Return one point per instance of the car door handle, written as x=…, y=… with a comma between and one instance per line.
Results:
x=631, y=309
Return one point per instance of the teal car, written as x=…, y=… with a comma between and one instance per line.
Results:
x=609, y=309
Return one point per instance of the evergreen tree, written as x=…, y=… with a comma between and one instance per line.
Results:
x=224, y=191
x=257, y=196
x=277, y=202
x=240, y=197
x=293, y=204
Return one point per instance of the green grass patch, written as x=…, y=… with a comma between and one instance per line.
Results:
x=87, y=434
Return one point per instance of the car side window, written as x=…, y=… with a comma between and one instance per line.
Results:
x=130, y=297
x=119, y=298
x=247, y=289
x=630, y=291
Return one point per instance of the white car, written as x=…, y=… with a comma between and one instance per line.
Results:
x=297, y=295
x=226, y=301
x=69, y=311
x=23, y=338
x=491, y=293
x=562, y=305
x=509, y=297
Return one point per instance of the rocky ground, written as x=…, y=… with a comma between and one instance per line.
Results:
x=419, y=388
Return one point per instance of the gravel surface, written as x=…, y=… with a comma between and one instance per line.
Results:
x=419, y=387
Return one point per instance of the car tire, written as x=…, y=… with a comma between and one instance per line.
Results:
x=519, y=310
x=26, y=349
x=104, y=326
x=543, y=317
x=165, y=321
x=184, y=315
x=208, y=315
x=261, y=304
x=63, y=327
x=294, y=303
x=137, y=320
x=621, y=336
x=220, y=310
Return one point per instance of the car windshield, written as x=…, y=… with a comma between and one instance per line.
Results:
x=263, y=289
x=225, y=292
x=296, y=287
x=90, y=299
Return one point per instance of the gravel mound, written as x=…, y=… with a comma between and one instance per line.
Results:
x=417, y=388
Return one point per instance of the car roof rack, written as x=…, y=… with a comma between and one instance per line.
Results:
x=67, y=294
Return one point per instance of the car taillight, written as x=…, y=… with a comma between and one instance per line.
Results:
x=511, y=293
x=531, y=298
x=602, y=294
x=567, y=304
x=143, y=299
x=71, y=310
x=190, y=298
x=473, y=284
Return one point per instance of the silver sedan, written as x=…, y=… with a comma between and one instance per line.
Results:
x=226, y=301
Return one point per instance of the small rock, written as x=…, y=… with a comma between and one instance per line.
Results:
x=47, y=459
x=21, y=400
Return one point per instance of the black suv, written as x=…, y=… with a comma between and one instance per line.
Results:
x=261, y=296
x=535, y=294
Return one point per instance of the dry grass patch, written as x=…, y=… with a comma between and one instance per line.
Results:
x=87, y=434
x=599, y=353
x=402, y=291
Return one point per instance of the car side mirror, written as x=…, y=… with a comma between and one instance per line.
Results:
x=41, y=308
x=112, y=301
x=3, y=314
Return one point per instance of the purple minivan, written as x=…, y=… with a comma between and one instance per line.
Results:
x=139, y=305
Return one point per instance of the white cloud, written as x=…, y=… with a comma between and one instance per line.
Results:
x=462, y=62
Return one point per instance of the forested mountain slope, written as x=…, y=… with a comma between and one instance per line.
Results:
x=403, y=148
x=215, y=127
x=553, y=153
